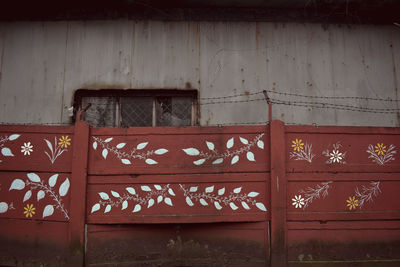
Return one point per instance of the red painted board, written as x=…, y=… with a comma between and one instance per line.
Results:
x=172, y=153
x=350, y=200
x=344, y=242
x=216, y=244
x=33, y=243
x=183, y=202
x=180, y=178
x=342, y=152
x=34, y=196
x=36, y=151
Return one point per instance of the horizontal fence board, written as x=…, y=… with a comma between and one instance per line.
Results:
x=184, y=202
x=35, y=196
x=342, y=152
x=342, y=177
x=350, y=200
x=216, y=244
x=182, y=178
x=343, y=244
x=36, y=150
x=30, y=242
x=185, y=153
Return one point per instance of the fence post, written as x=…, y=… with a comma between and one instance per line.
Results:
x=78, y=194
x=278, y=194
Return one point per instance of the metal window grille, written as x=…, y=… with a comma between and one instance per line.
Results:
x=126, y=111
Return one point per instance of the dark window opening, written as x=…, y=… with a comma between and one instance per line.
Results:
x=138, y=108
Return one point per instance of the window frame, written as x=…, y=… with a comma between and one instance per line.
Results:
x=153, y=93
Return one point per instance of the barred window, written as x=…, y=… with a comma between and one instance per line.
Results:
x=138, y=108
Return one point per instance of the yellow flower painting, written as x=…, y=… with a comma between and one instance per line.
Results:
x=64, y=141
x=29, y=210
x=352, y=203
x=297, y=145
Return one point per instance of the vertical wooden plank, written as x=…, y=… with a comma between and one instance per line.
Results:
x=278, y=194
x=78, y=194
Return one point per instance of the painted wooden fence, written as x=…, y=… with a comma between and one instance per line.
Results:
x=199, y=196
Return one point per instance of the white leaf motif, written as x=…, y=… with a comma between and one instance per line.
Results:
x=95, y=207
x=95, y=145
x=209, y=189
x=261, y=206
x=210, y=145
x=230, y=143
x=3, y=207
x=137, y=208
x=48, y=211
x=160, y=151
x=33, y=177
x=244, y=204
x=6, y=152
x=107, y=209
x=104, y=153
x=168, y=201
x=203, y=202
x=104, y=196
x=218, y=161
x=151, y=203
x=49, y=145
x=17, y=184
x=27, y=196
x=131, y=190
x=221, y=191
x=171, y=192
x=145, y=188
x=253, y=194
x=233, y=206
x=243, y=140
x=250, y=156
x=115, y=194
x=193, y=189
x=108, y=140
x=235, y=159
x=121, y=145
x=141, y=145
x=217, y=205
x=189, y=201
x=40, y=195
x=199, y=162
x=158, y=187
x=53, y=180
x=13, y=137
x=124, y=205
x=191, y=151
x=260, y=144
x=64, y=187
x=159, y=199
x=126, y=161
x=151, y=161
x=237, y=190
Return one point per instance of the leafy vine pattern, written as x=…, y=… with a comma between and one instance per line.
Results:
x=160, y=194
x=218, y=158
x=5, y=151
x=366, y=195
x=33, y=182
x=124, y=156
x=310, y=194
x=208, y=196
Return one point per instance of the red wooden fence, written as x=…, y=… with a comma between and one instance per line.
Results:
x=199, y=196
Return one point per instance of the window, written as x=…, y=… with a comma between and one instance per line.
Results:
x=136, y=108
